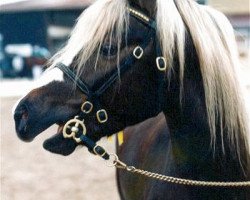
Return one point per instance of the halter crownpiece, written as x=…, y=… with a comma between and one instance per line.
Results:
x=138, y=14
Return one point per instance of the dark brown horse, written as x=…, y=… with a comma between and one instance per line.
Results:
x=131, y=60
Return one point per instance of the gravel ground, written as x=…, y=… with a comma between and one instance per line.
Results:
x=29, y=172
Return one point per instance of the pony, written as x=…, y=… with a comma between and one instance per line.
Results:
x=127, y=61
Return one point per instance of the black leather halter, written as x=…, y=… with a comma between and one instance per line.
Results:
x=71, y=129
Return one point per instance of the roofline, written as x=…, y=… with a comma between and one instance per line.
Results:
x=44, y=5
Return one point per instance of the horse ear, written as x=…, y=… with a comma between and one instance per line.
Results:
x=148, y=6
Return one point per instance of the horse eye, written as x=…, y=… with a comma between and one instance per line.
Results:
x=108, y=50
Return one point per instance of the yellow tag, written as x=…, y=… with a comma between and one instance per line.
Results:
x=110, y=138
x=120, y=138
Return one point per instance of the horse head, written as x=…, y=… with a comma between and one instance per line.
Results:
x=128, y=57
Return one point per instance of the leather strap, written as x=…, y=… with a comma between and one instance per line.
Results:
x=93, y=147
x=82, y=85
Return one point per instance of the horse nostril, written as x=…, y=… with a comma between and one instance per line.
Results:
x=21, y=113
x=21, y=118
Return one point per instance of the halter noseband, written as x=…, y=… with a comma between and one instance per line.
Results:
x=75, y=127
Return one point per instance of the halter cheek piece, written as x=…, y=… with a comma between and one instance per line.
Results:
x=75, y=128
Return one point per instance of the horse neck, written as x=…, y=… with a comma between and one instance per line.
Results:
x=190, y=133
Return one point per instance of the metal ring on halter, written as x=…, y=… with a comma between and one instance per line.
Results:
x=113, y=158
x=137, y=54
x=161, y=63
x=101, y=155
x=102, y=116
x=87, y=107
x=72, y=127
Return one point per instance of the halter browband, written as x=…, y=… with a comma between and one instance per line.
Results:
x=75, y=127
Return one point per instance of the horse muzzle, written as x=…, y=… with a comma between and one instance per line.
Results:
x=21, y=117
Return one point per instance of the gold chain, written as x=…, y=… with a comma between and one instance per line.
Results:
x=119, y=164
x=189, y=182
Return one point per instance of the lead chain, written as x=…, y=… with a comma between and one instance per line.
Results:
x=179, y=181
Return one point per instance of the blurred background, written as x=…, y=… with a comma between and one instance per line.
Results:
x=31, y=31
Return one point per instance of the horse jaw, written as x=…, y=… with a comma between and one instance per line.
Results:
x=59, y=145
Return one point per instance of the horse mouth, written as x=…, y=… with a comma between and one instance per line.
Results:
x=58, y=144
x=27, y=130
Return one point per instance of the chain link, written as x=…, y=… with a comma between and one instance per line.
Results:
x=121, y=165
x=181, y=181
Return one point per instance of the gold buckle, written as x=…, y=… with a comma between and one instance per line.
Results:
x=98, y=116
x=158, y=59
x=101, y=155
x=72, y=127
x=141, y=52
x=83, y=109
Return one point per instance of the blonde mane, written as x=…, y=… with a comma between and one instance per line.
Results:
x=92, y=26
x=213, y=39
